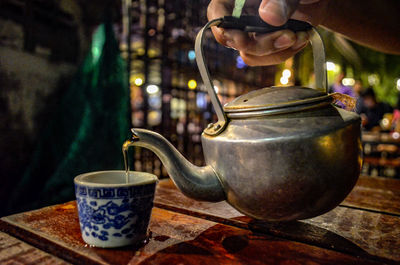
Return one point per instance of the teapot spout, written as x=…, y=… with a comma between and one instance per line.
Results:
x=200, y=183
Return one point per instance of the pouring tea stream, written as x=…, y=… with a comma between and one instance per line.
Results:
x=277, y=153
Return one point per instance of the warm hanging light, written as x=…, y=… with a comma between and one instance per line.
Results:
x=152, y=89
x=330, y=66
x=284, y=80
x=348, y=81
x=373, y=79
x=138, y=81
x=286, y=73
x=192, y=84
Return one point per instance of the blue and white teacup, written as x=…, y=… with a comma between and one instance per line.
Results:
x=113, y=213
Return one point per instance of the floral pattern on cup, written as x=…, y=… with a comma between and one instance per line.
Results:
x=114, y=214
x=100, y=219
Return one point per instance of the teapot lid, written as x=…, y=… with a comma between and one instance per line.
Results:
x=273, y=100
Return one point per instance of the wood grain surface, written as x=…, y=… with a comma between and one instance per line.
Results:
x=376, y=194
x=14, y=251
x=174, y=238
x=364, y=230
x=355, y=231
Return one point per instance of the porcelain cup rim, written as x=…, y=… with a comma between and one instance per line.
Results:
x=82, y=179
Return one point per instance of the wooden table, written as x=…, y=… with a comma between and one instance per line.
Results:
x=364, y=229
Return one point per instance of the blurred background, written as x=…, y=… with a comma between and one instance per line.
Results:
x=76, y=75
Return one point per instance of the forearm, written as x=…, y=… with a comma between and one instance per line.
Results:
x=372, y=23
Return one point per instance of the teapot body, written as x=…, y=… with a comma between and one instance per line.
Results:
x=287, y=166
x=276, y=154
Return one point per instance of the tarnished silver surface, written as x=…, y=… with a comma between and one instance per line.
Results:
x=273, y=100
x=318, y=48
x=274, y=97
x=205, y=75
x=200, y=183
x=290, y=166
x=280, y=154
x=275, y=111
x=277, y=168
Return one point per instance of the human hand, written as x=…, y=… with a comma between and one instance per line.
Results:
x=273, y=48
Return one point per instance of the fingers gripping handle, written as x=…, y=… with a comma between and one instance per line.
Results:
x=255, y=24
x=250, y=23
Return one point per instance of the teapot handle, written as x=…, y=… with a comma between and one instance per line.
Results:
x=255, y=24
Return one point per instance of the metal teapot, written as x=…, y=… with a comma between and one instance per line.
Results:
x=276, y=154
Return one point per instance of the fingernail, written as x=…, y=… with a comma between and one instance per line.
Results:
x=276, y=8
x=228, y=38
x=300, y=46
x=302, y=39
x=283, y=41
x=230, y=44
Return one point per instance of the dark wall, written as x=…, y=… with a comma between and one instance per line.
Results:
x=41, y=45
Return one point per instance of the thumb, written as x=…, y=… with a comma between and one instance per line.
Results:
x=277, y=12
